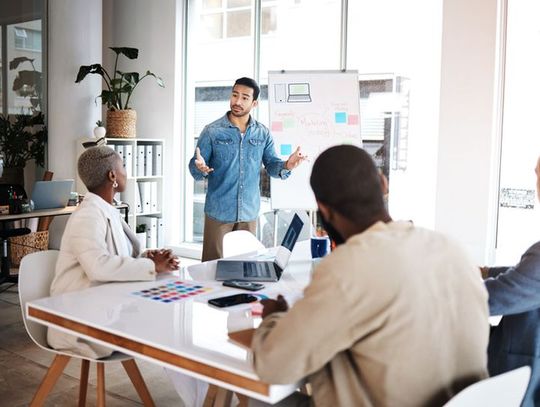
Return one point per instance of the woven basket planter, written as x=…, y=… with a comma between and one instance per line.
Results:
x=20, y=246
x=121, y=123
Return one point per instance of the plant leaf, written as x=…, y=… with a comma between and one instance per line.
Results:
x=14, y=64
x=89, y=69
x=131, y=53
x=158, y=79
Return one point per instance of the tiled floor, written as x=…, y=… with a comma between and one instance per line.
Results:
x=23, y=365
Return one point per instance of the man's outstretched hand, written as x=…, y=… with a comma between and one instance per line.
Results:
x=295, y=159
x=200, y=163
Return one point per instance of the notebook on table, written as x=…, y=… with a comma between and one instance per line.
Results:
x=51, y=194
x=262, y=270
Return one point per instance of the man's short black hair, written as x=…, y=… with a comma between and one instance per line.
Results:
x=346, y=179
x=250, y=83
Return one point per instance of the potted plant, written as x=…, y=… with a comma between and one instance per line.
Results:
x=121, y=119
x=22, y=138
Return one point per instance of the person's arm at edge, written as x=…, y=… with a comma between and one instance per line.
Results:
x=205, y=146
x=514, y=290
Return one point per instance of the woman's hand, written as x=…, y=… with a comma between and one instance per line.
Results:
x=164, y=260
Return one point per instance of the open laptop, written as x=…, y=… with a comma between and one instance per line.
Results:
x=262, y=270
x=51, y=194
x=299, y=92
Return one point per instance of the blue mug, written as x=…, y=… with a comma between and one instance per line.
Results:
x=320, y=246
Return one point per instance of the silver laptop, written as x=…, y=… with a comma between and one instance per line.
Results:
x=262, y=270
x=51, y=194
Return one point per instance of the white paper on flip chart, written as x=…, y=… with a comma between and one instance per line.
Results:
x=149, y=155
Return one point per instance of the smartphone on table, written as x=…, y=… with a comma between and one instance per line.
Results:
x=231, y=300
x=244, y=285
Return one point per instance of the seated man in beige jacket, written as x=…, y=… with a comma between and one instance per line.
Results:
x=396, y=315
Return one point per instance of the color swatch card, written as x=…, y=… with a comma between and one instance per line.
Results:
x=174, y=291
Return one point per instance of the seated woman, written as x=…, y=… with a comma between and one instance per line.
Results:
x=98, y=246
x=514, y=292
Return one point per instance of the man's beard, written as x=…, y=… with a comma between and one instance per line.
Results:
x=333, y=234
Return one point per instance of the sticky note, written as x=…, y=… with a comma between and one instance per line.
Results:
x=353, y=119
x=277, y=126
x=288, y=123
x=341, y=117
x=286, y=149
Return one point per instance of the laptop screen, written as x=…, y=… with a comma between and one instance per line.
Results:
x=290, y=238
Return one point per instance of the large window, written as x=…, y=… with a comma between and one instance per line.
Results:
x=386, y=39
x=519, y=212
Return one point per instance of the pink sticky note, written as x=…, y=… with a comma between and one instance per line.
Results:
x=353, y=119
x=277, y=126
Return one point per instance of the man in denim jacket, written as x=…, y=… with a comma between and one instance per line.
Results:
x=229, y=153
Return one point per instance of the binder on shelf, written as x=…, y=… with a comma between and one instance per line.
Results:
x=151, y=230
x=128, y=158
x=112, y=145
x=138, y=208
x=145, y=196
x=157, y=162
x=149, y=156
x=160, y=241
x=119, y=148
x=140, y=161
x=153, y=196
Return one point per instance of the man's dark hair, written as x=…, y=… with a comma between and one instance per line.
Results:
x=250, y=83
x=346, y=179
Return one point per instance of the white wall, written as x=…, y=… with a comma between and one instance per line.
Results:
x=152, y=28
x=467, y=140
x=74, y=40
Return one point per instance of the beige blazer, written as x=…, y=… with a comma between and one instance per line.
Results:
x=396, y=316
x=92, y=253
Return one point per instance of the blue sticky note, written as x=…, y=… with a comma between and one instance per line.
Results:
x=286, y=149
x=341, y=117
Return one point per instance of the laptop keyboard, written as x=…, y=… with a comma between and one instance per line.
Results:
x=257, y=270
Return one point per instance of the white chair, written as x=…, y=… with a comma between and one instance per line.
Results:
x=504, y=390
x=35, y=276
x=240, y=242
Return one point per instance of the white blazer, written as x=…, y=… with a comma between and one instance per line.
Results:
x=91, y=253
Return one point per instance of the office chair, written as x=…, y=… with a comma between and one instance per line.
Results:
x=7, y=230
x=36, y=274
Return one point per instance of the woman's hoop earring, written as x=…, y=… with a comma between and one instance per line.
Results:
x=115, y=184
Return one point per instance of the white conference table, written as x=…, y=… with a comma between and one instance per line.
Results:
x=189, y=336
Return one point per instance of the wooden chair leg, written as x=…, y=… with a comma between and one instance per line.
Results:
x=210, y=395
x=138, y=382
x=223, y=398
x=83, y=386
x=243, y=400
x=55, y=370
x=100, y=384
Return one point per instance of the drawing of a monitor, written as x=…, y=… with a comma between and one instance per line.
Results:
x=299, y=92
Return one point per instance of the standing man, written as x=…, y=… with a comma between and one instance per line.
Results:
x=229, y=153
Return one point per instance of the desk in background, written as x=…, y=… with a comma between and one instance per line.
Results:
x=5, y=275
x=189, y=336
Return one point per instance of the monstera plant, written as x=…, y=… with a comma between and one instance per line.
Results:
x=119, y=87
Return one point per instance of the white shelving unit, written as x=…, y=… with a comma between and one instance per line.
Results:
x=144, y=189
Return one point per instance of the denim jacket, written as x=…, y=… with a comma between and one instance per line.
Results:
x=233, y=187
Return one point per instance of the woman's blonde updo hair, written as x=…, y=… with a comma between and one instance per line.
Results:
x=94, y=165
